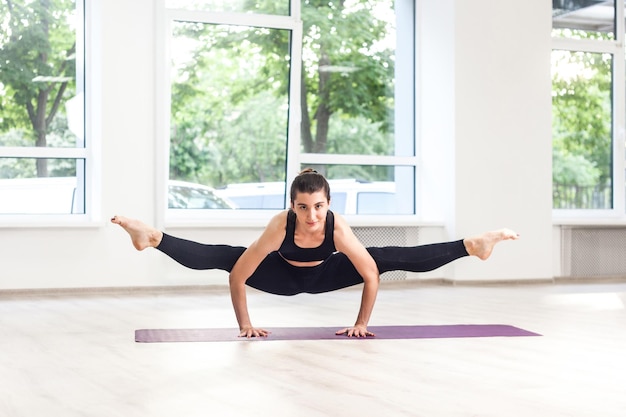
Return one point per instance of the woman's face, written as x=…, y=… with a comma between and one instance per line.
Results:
x=311, y=209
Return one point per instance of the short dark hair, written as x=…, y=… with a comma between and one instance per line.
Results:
x=309, y=181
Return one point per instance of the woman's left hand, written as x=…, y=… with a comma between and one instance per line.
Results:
x=356, y=331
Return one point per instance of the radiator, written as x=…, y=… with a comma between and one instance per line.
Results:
x=388, y=236
x=593, y=251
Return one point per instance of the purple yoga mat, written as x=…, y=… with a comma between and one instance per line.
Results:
x=328, y=333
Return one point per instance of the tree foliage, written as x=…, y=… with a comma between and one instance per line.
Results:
x=37, y=67
x=230, y=99
x=581, y=119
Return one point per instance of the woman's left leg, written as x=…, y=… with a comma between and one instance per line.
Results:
x=276, y=276
x=432, y=256
x=417, y=258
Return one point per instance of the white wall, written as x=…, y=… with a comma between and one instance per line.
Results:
x=485, y=137
x=486, y=128
x=503, y=126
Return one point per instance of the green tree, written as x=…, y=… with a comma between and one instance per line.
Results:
x=581, y=120
x=37, y=66
x=345, y=69
x=582, y=111
x=228, y=121
x=347, y=79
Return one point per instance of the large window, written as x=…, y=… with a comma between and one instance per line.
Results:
x=588, y=107
x=256, y=91
x=43, y=152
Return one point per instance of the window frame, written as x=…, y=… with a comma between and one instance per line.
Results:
x=615, y=47
x=87, y=42
x=295, y=158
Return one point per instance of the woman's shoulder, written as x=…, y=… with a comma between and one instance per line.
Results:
x=338, y=218
x=274, y=232
x=339, y=222
x=343, y=236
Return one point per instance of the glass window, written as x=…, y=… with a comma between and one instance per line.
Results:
x=581, y=130
x=62, y=192
x=183, y=195
x=587, y=105
x=582, y=19
x=253, y=100
x=250, y=195
x=353, y=190
x=348, y=90
x=42, y=132
x=229, y=103
x=278, y=7
x=370, y=189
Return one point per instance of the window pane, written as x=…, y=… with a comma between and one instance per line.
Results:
x=261, y=195
x=23, y=192
x=185, y=195
x=581, y=130
x=229, y=104
x=280, y=7
x=348, y=96
x=41, y=99
x=359, y=189
x=353, y=190
x=582, y=19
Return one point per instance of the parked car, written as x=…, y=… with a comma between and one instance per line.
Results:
x=255, y=195
x=58, y=195
x=52, y=195
x=348, y=196
x=188, y=195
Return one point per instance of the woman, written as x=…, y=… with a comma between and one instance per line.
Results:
x=310, y=249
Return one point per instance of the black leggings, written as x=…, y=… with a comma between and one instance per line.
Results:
x=276, y=276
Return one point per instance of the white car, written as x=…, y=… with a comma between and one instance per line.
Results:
x=348, y=196
x=59, y=195
x=188, y=195
x=50, y=195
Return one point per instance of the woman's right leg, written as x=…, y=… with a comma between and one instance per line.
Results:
x=196, y=255
x=428, y=257
x=191, y=254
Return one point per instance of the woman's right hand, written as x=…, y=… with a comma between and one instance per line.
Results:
x=250, y=331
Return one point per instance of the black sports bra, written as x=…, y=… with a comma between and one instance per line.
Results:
x=290, y=251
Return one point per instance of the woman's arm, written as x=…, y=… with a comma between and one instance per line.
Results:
x=347, y=243
x=269, y=241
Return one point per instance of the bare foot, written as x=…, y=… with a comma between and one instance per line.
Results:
x=142, y=235
x=482, y=246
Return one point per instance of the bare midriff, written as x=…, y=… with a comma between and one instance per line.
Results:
x=300, y=263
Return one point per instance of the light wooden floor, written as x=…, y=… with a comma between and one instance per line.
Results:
x=74, y=355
